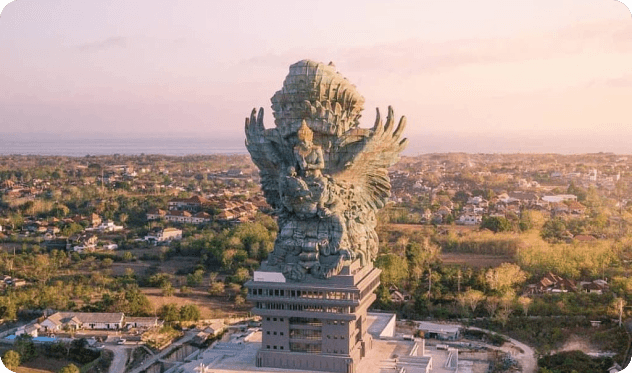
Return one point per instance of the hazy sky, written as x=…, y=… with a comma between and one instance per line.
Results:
x=475, y=76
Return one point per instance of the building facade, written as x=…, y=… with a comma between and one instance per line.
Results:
x=316, y=325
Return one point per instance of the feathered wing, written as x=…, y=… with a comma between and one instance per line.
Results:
x=265, y=147
x=365, y=156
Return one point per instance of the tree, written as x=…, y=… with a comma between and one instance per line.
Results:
x=496, y=224
x=70, y=368
x=25, y=347
x=394, y=268
x=216, y=288
x=471, y=298
x=167, y=289
x=195, y=278
x=189, y=312
x=127, y=256
x=525, y=303
x=491, y=305
x=502, y=316
x=11, y=360
x=239, y=301
x=504, y=277
x=169, y=312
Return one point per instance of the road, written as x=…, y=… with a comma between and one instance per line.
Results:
x=120, y=359
x=147, y=363
x=527, y=359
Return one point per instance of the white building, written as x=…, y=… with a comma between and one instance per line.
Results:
x=82, y=320
x=162, y=235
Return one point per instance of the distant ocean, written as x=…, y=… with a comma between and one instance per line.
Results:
x=79, y=147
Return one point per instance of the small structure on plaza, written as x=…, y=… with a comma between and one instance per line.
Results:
x=326, y=178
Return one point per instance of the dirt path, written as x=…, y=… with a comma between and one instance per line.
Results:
x=527, y=359
x=120, y=359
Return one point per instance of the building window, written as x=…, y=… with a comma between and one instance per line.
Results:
x=281, y=333
x=274, y=319
x=275, y=347
x=274, y=333
x=268, y=347
x=281, y=347
x=267, y=318
x=281, y=319
x=268, y=332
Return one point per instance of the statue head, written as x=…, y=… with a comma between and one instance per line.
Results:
x=304, y=133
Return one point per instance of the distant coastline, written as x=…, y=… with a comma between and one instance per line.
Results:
x=76, y=147
x=82, y=144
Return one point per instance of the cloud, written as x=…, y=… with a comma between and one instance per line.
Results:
x=111, y=42
x=415, y=55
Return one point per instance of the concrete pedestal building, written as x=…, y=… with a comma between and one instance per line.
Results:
x=316, y=325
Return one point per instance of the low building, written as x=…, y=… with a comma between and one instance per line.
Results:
x=164, y=234
x=109, y=226
x=29, y=329
x=82, y=320
x=156, y=214
x=141, y=322
x=439, y=331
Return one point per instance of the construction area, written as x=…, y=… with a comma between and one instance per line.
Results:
x=395, y=349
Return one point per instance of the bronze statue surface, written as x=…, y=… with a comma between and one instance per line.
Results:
x=324, y=175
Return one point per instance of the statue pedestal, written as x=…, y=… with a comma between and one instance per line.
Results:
x=315, y=324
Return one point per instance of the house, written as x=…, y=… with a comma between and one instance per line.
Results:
x=82, y=320
x=559, y=198
x=164, y=234
x=29, y=329
x=470, y=219
x=439, y=331
x=201, y=217
x=594, y=287
x=216, y=328
x=584, y=238
x=156, y=214
x=110, y=246
x=141, y=322
x=398, y=297
x=178, y=216
x=525, y=198
x=444, y=211
x=559, y=208
x=552, y=283
x=576, y=208
x=189, y=204
x=109, y=226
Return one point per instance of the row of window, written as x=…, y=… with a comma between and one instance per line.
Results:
x=305, y=321
x=370, y=288
x=306, y=334
x=274, y=347
x=304, y=307
x=308, y=294
x=313, y=348
x=274, y=333
x=274, y=319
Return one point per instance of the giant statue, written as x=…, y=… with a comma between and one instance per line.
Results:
x=324, y=176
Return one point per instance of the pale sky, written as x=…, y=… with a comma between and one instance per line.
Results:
x=473, y=76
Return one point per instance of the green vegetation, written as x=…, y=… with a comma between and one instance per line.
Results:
x=11, y=359
x=573, y=361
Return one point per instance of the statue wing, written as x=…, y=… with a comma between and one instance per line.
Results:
x=365, y=158
x=266, y=149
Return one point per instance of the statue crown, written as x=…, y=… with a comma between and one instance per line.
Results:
x=304, y=132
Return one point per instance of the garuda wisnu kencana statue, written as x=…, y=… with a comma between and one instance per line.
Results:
x=324, y=176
